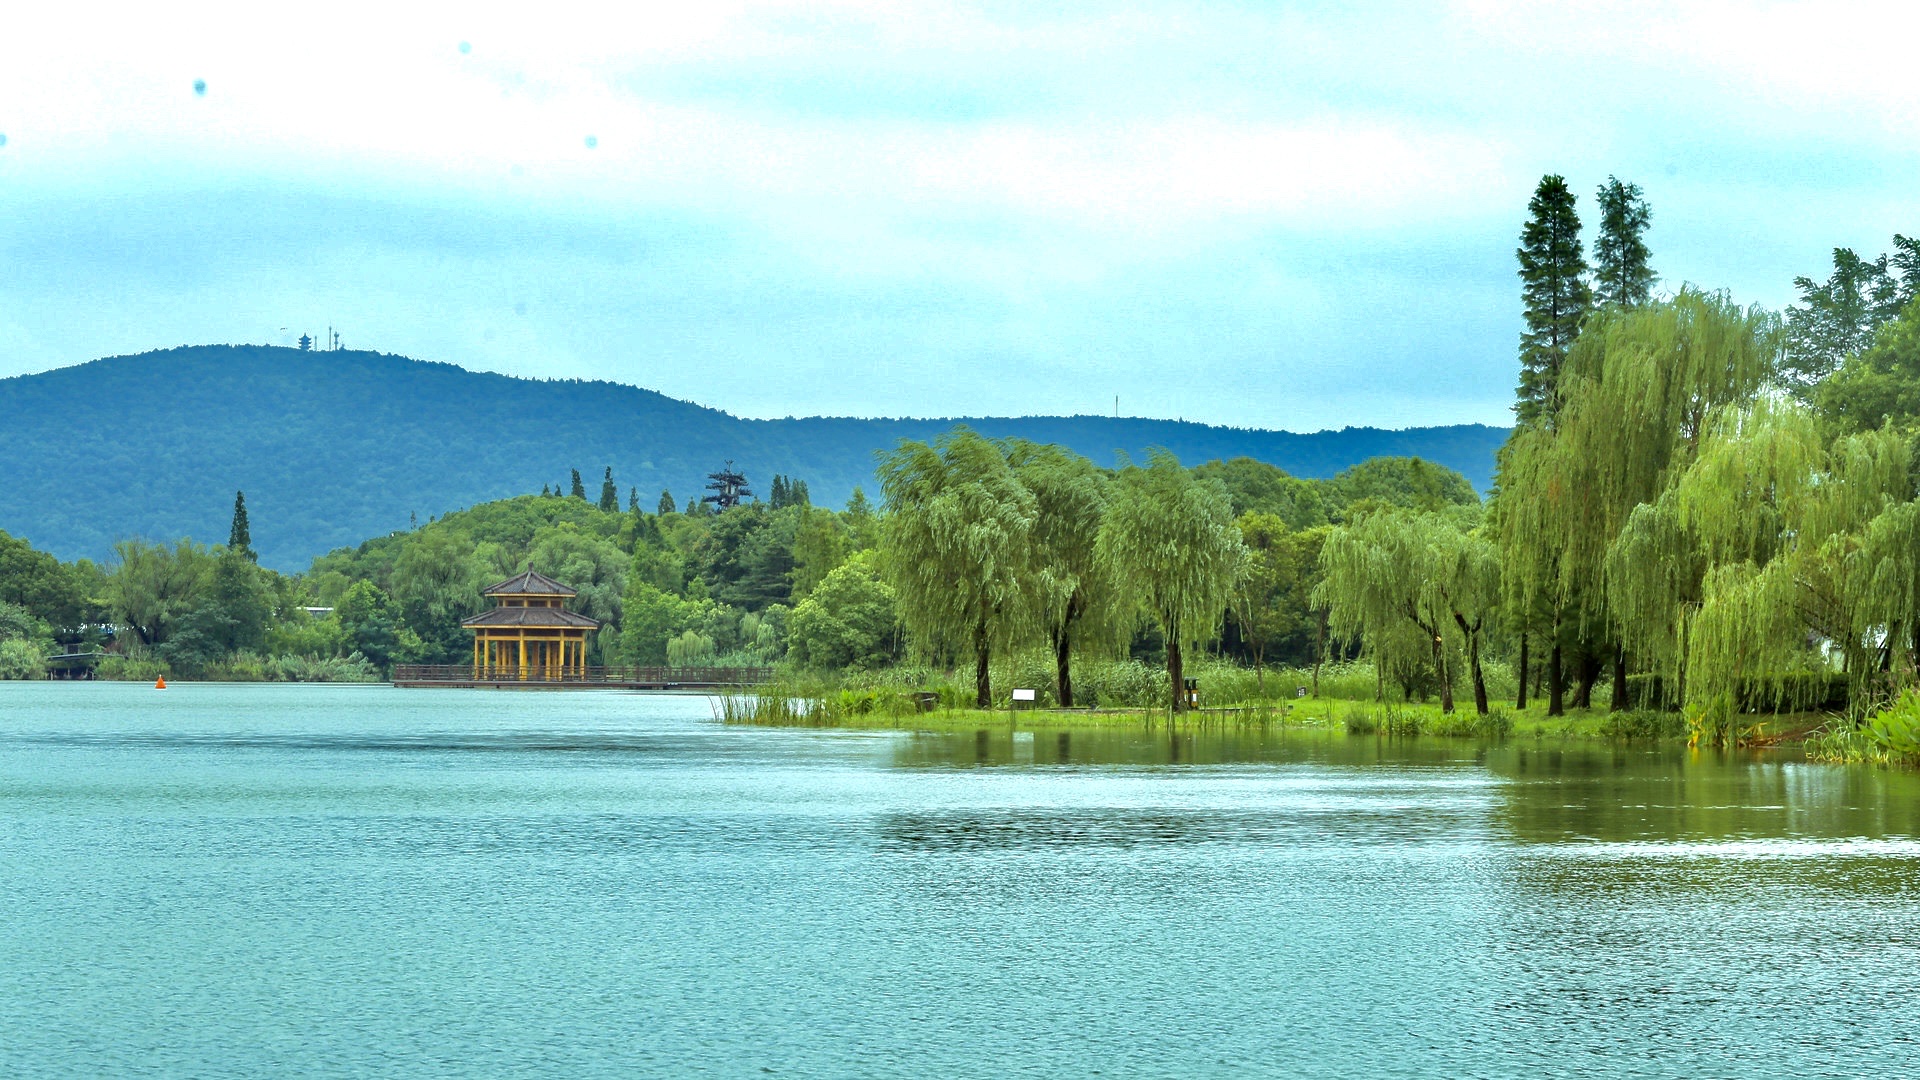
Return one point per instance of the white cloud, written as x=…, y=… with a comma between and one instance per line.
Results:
x=949, y=182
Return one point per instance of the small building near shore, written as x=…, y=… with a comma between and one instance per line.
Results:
x=530, y=635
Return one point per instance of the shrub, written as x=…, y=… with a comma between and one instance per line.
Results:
x=337, y=669
x=1124, y=684
x=1643, y=724
x=1896, y=729
x=1400, y=722
x=22, y=659
x=1465, y=723
x=1841, y=741
x=1360, y=720
x=132, y=668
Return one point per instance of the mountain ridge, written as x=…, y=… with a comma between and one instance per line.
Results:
x=332, y=447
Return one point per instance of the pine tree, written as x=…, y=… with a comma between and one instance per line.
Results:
x=797, y=493
x=609, y=495
x=667, y=505
x=546, y=492
x=579, y=489
x=1553, y=283
x=1621, y=274
x=240, y=537
x=777, y=495
x=633, y=500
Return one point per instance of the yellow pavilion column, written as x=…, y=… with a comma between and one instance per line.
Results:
x=522, y=641
x=476, y=653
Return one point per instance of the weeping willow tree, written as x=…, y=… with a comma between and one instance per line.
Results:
x=957, y=547
x=1073, y=592
x=1522, y=519
x=1637, y=391
x=1168, y=540
x=1401, y=583
x=1773, y=551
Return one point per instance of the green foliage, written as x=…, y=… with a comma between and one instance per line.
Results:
x=154, y=587
x=1554, y=288
x=1257, y=487
x=1123, y=684
x=332, y=669
x=1622, y=273
x=1878, y=385
x=609, y=494
x=300, y=634
x=1643, y=724
x=138, y=666
x=850, y=620
x=1597, y=538
x=1169, y=543
x=1404, y=482
x=958, y=548
x=654, y=617
x=1403, y=584
x=56, y=593
x=1838, y=318
x=240, y=534
x=821, y=541
x=746, y=555
x=19, y=624
x=690, y=649
x=1896, y=729
x=1074, y=592
x=593, y=566
x=373, y=626
x=21, y=658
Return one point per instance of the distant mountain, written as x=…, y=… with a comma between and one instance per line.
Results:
x=334, y=447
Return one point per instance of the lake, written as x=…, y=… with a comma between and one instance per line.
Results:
x=221, y=880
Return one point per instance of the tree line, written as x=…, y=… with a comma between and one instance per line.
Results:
x=1710, y=506
x=774, y=582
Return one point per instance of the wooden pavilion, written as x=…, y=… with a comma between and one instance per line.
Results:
x=530, y=636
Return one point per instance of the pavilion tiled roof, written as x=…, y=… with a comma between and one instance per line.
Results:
x=530, y=616
x=530, y=583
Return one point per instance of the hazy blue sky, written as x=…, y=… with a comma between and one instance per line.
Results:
x=1290, y=216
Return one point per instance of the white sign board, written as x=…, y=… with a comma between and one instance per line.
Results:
x=1023, y=695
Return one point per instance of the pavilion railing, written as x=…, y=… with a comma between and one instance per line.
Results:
x=610, y=674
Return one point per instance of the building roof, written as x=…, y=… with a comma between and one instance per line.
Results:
x=530, y=616
x=531, y=583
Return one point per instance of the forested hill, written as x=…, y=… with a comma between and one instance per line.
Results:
x=334, y=447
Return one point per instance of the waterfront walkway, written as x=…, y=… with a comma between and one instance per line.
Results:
x=611, y=677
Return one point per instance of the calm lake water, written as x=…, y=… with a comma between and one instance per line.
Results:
x=252, y=880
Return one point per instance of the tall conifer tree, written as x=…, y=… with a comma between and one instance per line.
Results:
x=240, y=536
x=609, y=495
x=667, y=505
x=579, y=489
x=1553, y=283
x=1622, y=275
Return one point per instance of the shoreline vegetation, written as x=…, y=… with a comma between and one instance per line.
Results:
x=863, y=703
x=1706, y=523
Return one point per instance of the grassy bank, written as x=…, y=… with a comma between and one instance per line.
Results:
x=868, y=710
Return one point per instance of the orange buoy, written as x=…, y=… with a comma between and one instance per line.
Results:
x=160, y=683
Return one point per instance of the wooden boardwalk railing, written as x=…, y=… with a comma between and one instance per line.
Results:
x=613, y=676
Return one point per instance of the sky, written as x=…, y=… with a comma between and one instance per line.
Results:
x=1262, y=215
